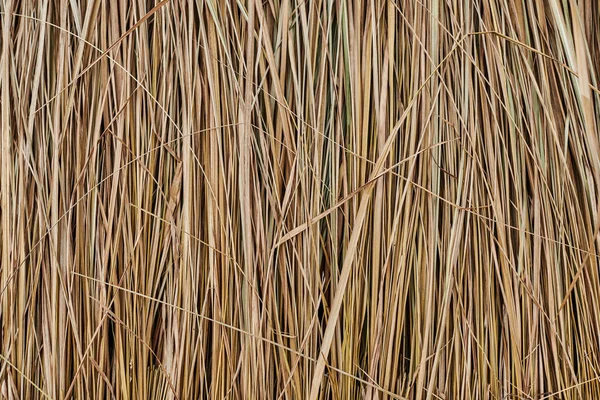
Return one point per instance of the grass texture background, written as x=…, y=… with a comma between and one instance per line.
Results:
x=300, y=199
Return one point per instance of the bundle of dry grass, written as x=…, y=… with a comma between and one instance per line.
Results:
x=290, y=199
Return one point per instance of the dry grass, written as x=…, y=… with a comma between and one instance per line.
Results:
x=289, y=199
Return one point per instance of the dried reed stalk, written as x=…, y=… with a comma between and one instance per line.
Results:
x=289, y=199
